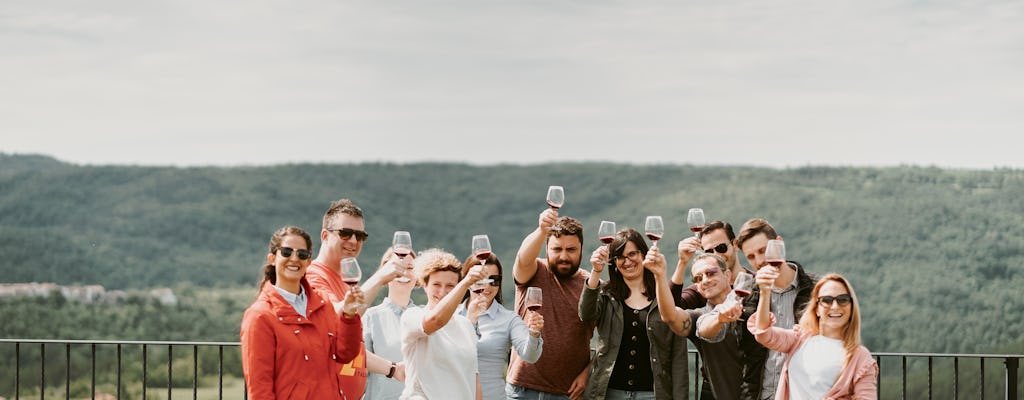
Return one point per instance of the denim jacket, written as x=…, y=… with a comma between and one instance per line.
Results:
x=668, y=350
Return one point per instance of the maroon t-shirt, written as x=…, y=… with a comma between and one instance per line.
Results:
x=566, y=338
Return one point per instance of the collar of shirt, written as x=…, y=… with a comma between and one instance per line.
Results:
x=298, y=301
x=395, y=308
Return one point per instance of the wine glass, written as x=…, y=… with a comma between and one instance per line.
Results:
x=350, y=271
x=556, y=197
x=655, y=228
x=534, y=299
x=695, y=219
x=482, y=251
x=606, y=233
x=775, y=255
x=740, y=289
x=401, y=245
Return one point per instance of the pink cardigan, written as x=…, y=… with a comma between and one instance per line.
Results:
x=857, y=380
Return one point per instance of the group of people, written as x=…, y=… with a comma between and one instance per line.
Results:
x=309, y=335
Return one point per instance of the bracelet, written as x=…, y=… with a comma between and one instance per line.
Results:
x=391, y=373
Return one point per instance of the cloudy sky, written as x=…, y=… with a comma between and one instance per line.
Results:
x=753, y=82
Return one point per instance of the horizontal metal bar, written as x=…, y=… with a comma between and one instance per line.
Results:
x=161, y=343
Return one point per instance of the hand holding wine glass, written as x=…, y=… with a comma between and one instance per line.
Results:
x=775, y=256
x=556, y=197
x=482, y=250
x=655, y=228
x=740, y=288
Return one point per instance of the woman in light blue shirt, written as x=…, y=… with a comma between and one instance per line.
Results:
x=499, y=330
x=382, y=325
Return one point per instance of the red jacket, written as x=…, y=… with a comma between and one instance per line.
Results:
x=288, y=356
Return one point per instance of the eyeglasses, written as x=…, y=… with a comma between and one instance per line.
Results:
x=633, y=254
x=346, y=233
x=720, y=249
x=495, y=280
x=711, y=273
x=286, y=252
x=843, y=300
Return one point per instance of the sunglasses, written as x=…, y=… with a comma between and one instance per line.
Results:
x=495, y=280
x=720, y=249
x=346, y=233
x=843, y=299
x=286, y=252
x=711, y=273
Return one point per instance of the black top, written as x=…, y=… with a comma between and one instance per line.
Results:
x=632, y=369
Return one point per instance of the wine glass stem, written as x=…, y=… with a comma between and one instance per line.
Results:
x=655, y=244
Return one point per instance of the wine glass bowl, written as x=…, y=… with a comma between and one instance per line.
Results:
x=351, y=273
x=654, y=226
x=695, y=220
x=481, y=249
x=401, y=245
x=775, y=255
x=534, y=299
x=556, y=197
x=606, y=233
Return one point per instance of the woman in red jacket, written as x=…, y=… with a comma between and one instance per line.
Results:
x=292, y=339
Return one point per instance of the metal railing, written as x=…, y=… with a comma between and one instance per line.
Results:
x=901, y=374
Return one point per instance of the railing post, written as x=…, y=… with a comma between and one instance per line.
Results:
x=1011, y=377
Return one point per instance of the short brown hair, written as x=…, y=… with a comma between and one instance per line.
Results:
x=716, y=225
x=752, y=228
x=435, y=260
x=343, y=206
x=567, y=226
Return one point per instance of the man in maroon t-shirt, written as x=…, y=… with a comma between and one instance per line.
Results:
x=564, y=365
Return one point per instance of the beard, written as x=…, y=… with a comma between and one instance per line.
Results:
x=554, y=267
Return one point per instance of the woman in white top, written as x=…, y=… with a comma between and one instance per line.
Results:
x=380, y=324
x=825, y=359
x=499, y=329
x=436, y=343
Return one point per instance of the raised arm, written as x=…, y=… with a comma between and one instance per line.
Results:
x=386, y=273
x=590, y=309
x=526, y=258
x=687, y=248
x=677, y=319
x=525, y=336
x=437, y=317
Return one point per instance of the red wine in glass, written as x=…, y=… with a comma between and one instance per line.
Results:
x=483, y=256
x=533, y=307
x=401, y=253
x=776, y=263
x=351, y=281
x=478, y=291
x=696, y=229
x=653, y=237
x=553, y=205
x=607, y=239
x=742, y=294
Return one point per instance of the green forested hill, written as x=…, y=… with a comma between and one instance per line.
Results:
x=936, y=255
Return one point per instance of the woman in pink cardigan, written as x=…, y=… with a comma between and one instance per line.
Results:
x=825, y=359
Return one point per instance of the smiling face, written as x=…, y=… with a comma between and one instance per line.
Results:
x=629, y=263
x=438, y=285
x=833, y=317
x=289, y=270
x=346, y=248
x=714, y=282
x=716, y=238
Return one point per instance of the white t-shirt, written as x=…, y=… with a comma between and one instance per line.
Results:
x=441, y=365
x=815, y=367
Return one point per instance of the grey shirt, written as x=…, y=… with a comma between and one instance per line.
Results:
x=382, y=334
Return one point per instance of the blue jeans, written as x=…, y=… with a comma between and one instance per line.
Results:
x=519, y=392
x=615, y=394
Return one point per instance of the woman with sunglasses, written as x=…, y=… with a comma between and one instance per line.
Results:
x=825, y=358
x=436, y=342
x=293, y=341
x=499, y=328
x=638, y=355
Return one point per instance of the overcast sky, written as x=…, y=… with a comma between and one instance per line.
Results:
x=755, y=82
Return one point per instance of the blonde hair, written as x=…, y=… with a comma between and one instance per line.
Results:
x=810, y=321
x=435, y=260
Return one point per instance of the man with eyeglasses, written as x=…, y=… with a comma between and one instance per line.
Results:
x=716, y=333
x=342, y=236
x=791, y=292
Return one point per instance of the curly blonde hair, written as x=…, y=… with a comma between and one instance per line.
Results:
x=435, y=260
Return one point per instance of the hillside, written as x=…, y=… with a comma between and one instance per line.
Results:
x=929, y=250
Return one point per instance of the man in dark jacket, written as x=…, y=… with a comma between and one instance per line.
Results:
x=792, y=291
